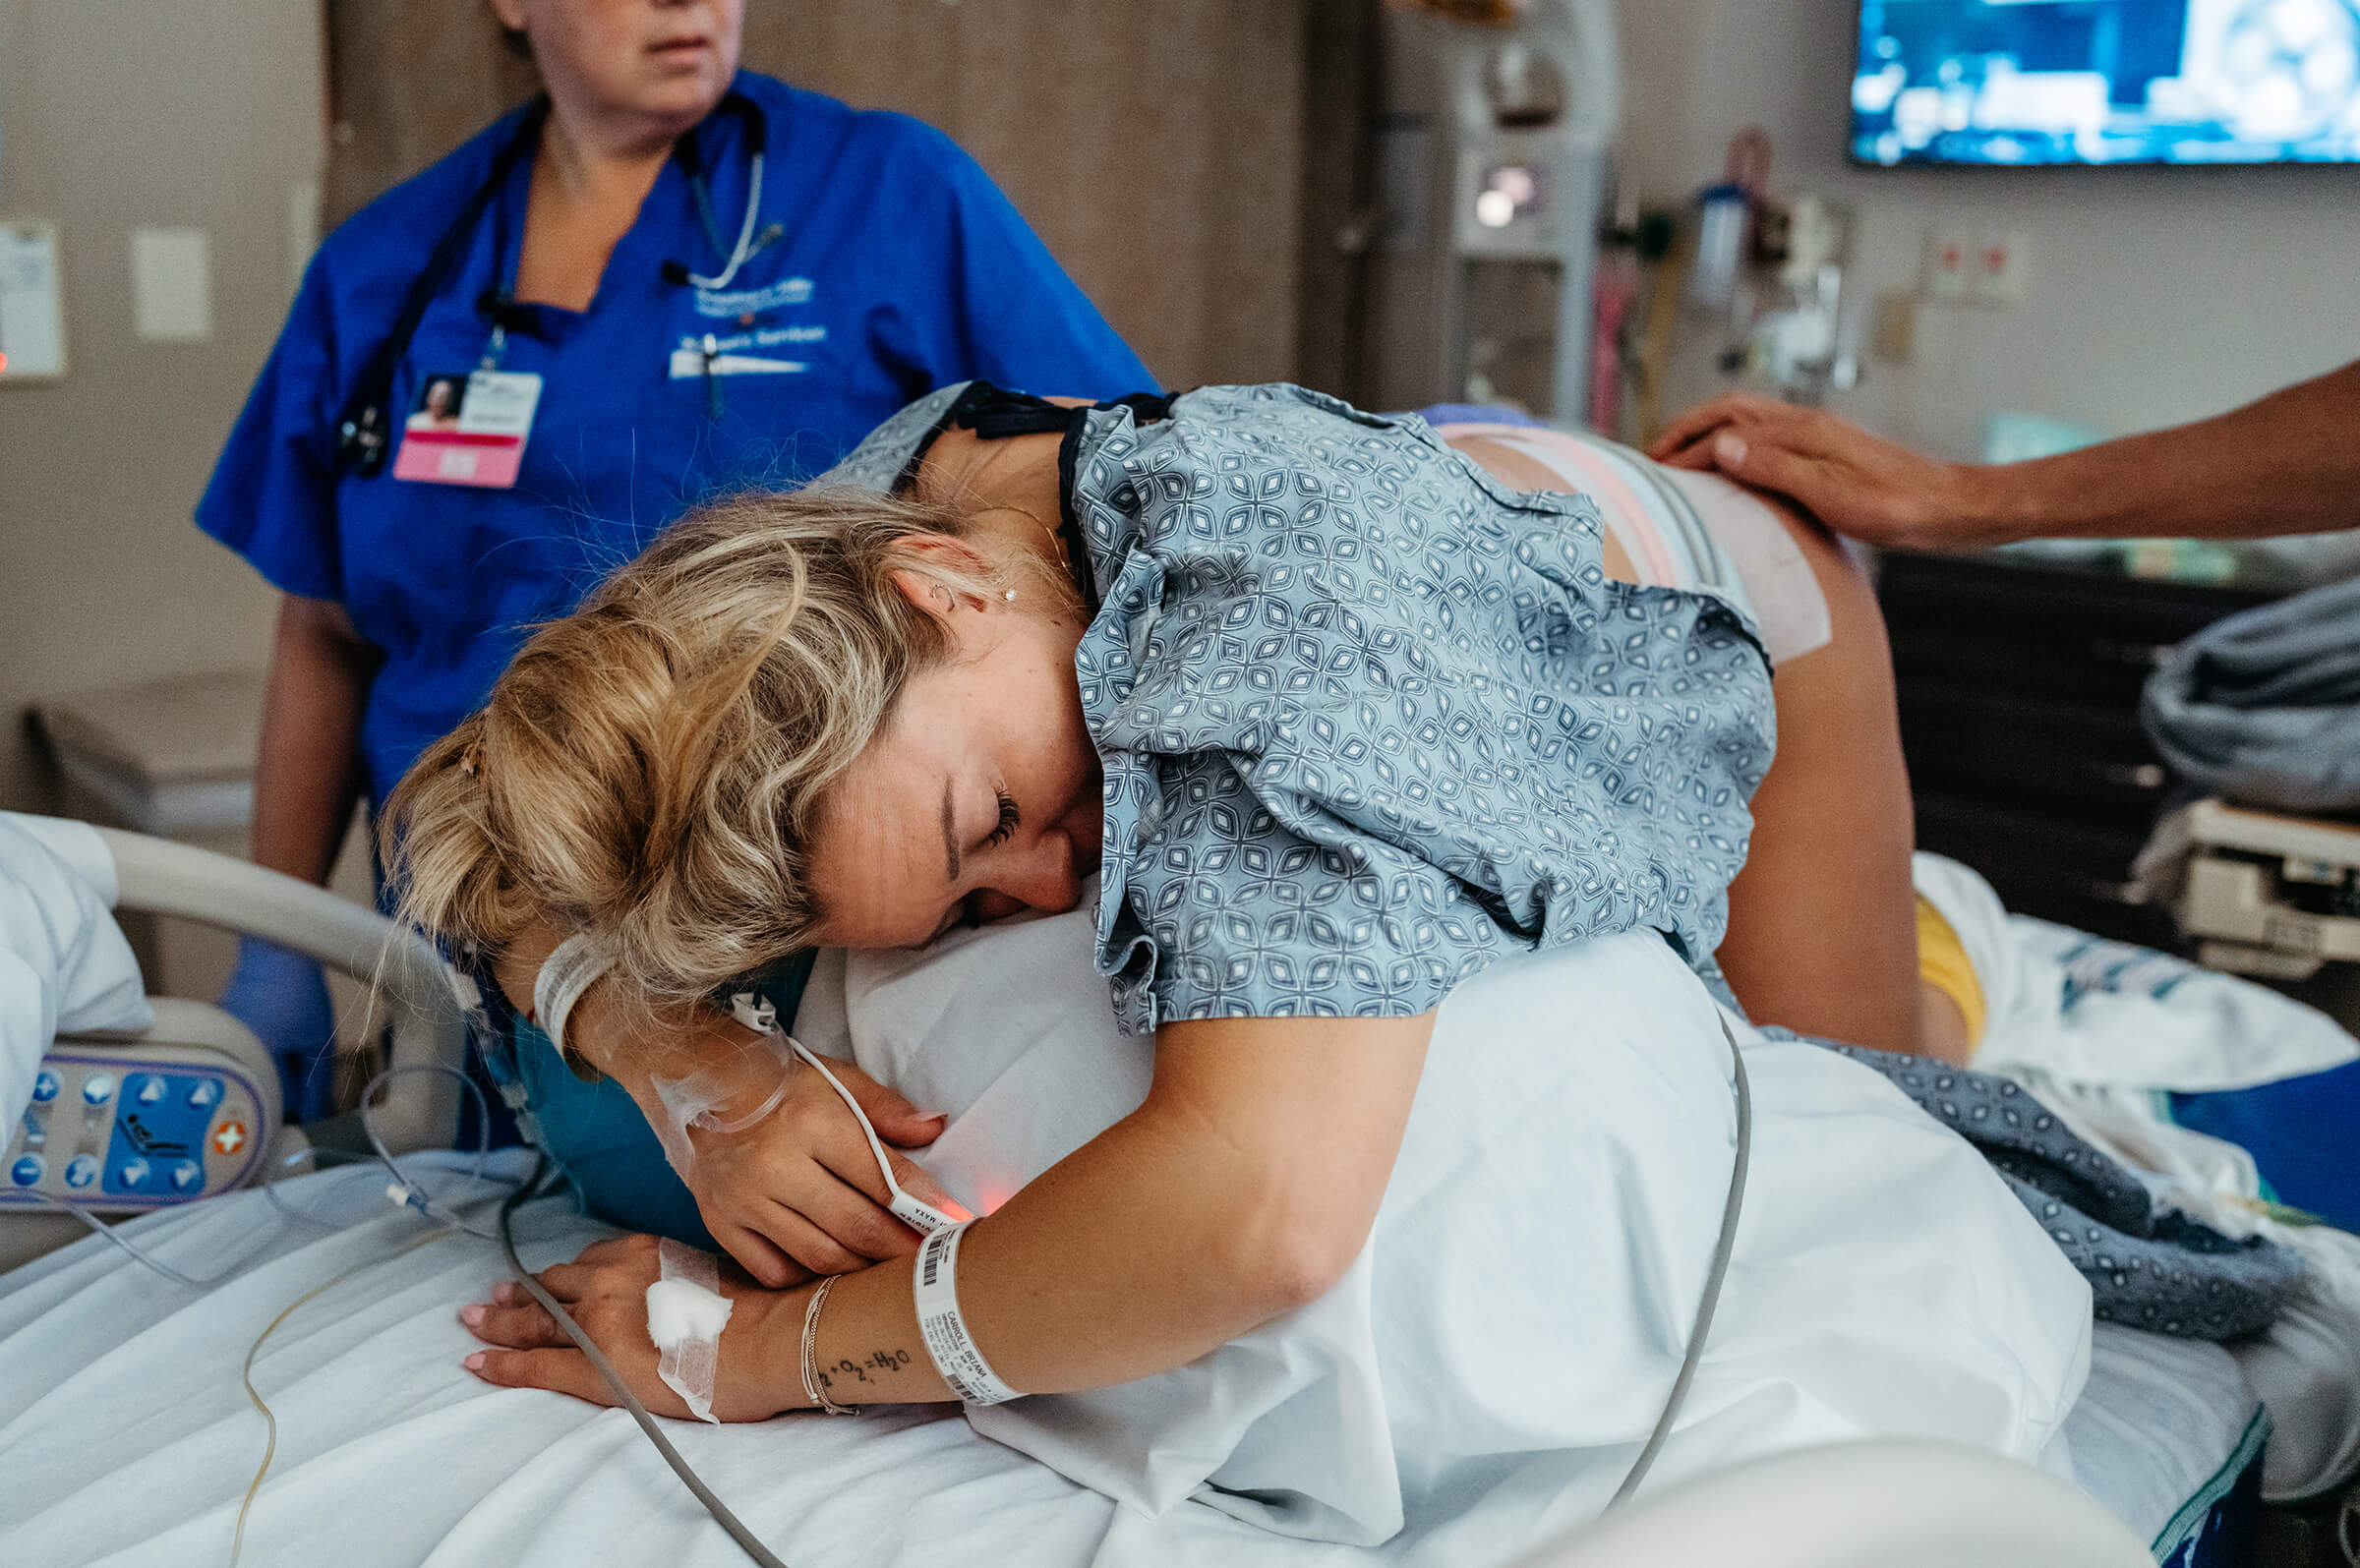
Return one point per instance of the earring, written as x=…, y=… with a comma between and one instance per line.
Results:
x=1009, y=596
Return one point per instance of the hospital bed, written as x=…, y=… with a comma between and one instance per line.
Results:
x=128, y=1437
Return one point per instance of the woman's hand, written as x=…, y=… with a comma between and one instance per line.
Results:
x=1855, y=483
x=798, y=1194
x=605, y=1290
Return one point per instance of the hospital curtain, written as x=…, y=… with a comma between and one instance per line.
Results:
x=1188, y=160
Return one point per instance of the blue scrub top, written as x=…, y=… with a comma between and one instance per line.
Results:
x=901, y=268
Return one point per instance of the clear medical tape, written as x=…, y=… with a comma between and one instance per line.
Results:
x=685, y=1315
x=695, y=1101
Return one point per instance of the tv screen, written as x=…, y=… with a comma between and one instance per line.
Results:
x=2018, y=81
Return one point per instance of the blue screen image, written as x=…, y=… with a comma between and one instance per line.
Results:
x=2023, y=81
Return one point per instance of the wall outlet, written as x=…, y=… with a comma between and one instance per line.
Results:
x=1949, y=258
x=1995, y=267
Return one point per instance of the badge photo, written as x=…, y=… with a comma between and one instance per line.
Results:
x=468, y=429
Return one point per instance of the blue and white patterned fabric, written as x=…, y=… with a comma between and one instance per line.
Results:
x=1369, y=718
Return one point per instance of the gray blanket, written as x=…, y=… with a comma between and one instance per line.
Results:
x=2264, y=707
x=2147, y=1266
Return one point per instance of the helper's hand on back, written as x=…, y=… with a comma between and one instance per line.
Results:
x=1855, y=483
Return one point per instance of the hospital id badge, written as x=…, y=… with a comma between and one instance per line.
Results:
x=469, y=429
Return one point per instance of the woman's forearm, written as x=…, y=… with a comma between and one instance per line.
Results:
x=1243, y=1188
x=308, y=774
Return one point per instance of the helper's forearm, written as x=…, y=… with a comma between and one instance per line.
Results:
x=2287, y=464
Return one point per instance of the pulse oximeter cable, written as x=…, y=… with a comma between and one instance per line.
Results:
x=1723, y=1249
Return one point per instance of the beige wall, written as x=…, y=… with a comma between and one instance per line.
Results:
x=1157, y=145
x=119, y=114
x=1158, y=148
x=2157, y=295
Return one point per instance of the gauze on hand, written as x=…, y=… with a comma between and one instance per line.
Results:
x=685, y=1315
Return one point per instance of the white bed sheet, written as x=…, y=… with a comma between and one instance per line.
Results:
x=2163, y=1428
x=126, y=1439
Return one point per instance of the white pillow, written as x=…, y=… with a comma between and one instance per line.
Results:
x=1515, y=1321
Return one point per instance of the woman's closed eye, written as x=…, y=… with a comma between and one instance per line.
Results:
x=1006, y=830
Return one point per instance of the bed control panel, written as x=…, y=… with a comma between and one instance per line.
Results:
x=122, y=1132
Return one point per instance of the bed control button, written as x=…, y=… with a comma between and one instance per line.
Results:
x=98, y=1088
x=46, y=1087
x=82, y=1170
x=186, y=1174
x=150, y=1089
x=207, y=1091
x=29, y=1170
x=132, y=1173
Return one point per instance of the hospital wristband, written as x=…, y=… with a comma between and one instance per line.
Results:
x=573, y=967
x=940, y=1325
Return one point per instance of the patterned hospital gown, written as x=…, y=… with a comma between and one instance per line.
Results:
x=1369, y=718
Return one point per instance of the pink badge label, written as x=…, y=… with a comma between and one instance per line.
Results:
x=469, y=429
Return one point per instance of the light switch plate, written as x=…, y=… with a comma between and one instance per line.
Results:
x=33, y=316
x=172, y=285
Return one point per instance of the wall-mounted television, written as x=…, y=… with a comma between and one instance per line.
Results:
x=2033, y=82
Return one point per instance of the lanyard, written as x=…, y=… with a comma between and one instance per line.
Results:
x=362, y=425
x=364, y=428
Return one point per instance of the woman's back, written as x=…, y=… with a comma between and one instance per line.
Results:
x=1368, y=717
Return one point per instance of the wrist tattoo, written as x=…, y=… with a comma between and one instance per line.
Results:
x=879, y=1362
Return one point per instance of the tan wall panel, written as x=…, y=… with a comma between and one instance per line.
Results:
x=1157, y=145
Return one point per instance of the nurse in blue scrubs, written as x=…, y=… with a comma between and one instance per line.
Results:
x=665, y=278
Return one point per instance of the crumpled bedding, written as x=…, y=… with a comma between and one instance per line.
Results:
x=65, y=967
x=2102, y=1031
x=2264, y=706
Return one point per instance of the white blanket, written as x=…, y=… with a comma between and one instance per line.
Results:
x=1523, y=1303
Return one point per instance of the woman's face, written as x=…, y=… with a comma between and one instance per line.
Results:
x=664, y=60
x=979, y=799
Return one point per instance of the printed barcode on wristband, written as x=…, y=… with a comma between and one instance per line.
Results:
x=944, y=1330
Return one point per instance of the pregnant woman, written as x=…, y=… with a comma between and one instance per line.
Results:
x=1338, y=720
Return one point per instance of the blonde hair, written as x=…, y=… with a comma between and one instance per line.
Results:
x=651, y=770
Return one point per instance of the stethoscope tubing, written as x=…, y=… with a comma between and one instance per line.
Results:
x=362, y=423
